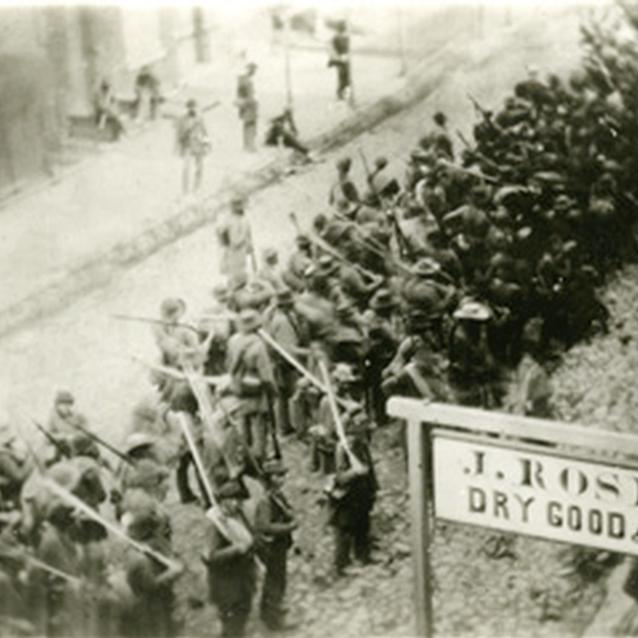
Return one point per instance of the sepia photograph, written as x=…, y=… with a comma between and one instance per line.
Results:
x=319, y=318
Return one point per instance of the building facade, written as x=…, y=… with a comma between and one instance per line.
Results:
x=52, y=60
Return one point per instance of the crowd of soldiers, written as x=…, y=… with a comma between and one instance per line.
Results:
x=459, y=281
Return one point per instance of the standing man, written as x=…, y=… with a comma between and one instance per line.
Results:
x=230, y=563
x=236, y=241
x=192, y=145
x=253, y=381
x=248, y=106
x=340, y=59
x=274, y=524
x=289, y=329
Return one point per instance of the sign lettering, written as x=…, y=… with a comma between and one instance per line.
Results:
x=536, y=493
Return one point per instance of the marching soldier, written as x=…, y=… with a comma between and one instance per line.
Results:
x=472, y=366
x=288, y=328
x=353, y=498
x=230, y=562
x=235, y=238
x=253, y=381
x=274, y=524
x=298, y=262
x=152, y=612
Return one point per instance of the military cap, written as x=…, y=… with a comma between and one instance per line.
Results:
x=285, y=297
x=303, y=240
x=147, y=474
x=191, y=103
x=382, y=299
x=356, y=426
x=426, y=267
x=237, y=203
x=380, y=162
x=136, y=441
x=64, y=396
x=172, y=307
x=6, y=434
x=344, y=164
x=146, y=409
x=326, y=265
x=221, y=292
x=251, y=66
x=269, y=254
x=343, y=373
x=472, y=311
x=274, y=466
x=231, y=489
x=249, y=319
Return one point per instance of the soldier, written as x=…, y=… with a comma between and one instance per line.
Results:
x=151, y=582
x=253, y=381
x=230, y=562
x=283, y=131
x=384, y=335
x=531, y=389
x=472, y=367
x=274, y=524
x=15, y=468
x=288, y=328
x=218, y=321
x=235, y=238
x=270, y=272
x=62, y=422
x=177, y=342
x=247, y=105
x=355, y=288
x=441, y=137
x=192, y=145
x=353, y=498
x=298, y=263
x=340, y=58
x=344, y=197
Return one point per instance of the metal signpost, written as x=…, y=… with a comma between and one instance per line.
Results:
x=518, y=474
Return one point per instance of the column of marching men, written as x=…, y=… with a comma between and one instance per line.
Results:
x=460, y=281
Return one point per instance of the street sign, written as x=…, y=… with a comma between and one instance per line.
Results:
x=480, y=468
x=535, y=493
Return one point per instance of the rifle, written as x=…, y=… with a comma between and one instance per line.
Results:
x=402, y=242
x=103, y=443
x=477, y=107
x=80, y=505
x=467, y=171
x=60, y=447
x=159, y=322
x=325, y=246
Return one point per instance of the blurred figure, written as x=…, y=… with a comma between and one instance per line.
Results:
x=340, y=59
x=283, y=132
x=192, y=145
x=106, y=112
x=247, y=106
x=147, y=94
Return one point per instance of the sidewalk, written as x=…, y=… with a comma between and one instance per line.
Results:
x=118, y=193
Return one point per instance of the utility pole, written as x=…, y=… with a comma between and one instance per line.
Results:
x=351, y=99
x=401, y=24
x=287, y=62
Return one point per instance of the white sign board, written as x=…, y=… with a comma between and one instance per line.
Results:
x=536, y=493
